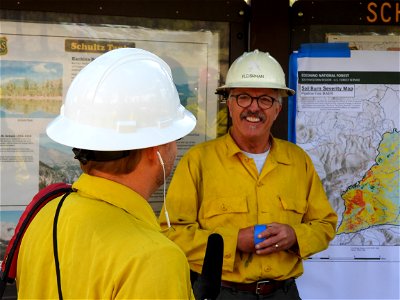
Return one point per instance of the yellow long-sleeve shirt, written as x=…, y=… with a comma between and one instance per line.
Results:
x=109, y=245
x=216, y=188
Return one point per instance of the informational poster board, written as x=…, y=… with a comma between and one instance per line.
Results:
x=38, y=63
x=345, y=115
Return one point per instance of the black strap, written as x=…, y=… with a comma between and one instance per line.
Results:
x=84, y=155
x=3, y=285
x=55, y=246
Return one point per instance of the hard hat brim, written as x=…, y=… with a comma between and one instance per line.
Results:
x=285, y=92
x=77, y=135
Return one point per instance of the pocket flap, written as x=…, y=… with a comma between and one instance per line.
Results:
x=226, y=205
x=296, y=205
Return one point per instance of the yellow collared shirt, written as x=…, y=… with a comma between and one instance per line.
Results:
x=216, y=188
x=110, y=247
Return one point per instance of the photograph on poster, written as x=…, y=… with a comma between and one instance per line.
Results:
x=30, y=89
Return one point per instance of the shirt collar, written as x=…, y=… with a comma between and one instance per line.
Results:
x=118, y=195
x=231, y=146
x=277, y=152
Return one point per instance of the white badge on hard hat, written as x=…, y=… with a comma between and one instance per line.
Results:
x=124, y=99
x=256, y=69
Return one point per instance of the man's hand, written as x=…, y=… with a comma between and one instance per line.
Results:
x=245, y=242
x=278, y=237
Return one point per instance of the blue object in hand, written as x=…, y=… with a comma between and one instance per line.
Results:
x=257, y=230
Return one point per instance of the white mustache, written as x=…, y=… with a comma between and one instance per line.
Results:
x=257, y=114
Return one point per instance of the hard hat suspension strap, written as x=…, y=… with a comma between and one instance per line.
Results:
x=84, y=155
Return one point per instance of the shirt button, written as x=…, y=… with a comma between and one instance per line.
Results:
x=228, y=255
x=260, y=184
x=223, y=207
x=267, y=268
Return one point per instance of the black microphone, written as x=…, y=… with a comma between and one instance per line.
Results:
x=210, y=278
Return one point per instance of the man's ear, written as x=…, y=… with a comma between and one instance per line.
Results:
x=228, y=106
x=156, y=155
x=153, y=154
x=277, y=111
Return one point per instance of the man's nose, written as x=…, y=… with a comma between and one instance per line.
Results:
x=254, y=104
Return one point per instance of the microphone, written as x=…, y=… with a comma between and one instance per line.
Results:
x=210, y=278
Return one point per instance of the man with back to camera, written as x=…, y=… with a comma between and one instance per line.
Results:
x=260, y=193
x=122, y=116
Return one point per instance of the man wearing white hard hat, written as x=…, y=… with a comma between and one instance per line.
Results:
x=260, y=193
x=121, y=116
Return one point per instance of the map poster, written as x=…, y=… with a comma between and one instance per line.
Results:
x=38, y=61
x=347, y=120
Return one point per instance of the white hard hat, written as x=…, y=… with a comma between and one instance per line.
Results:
x=256, y=69
x=125, y=99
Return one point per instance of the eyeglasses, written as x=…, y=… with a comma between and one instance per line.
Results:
x=245, y=100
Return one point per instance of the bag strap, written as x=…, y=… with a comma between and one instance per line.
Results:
x=9, y=264
x=55, y=245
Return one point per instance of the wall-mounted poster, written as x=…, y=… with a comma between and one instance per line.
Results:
x=347, y=118
x=38, y=63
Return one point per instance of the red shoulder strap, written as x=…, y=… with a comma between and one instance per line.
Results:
x=9, y=264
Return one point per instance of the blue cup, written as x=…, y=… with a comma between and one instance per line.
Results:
x=257, y=230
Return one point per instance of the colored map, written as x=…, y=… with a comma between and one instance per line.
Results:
x=354, y=142
x=374, y=200
x=348, y=121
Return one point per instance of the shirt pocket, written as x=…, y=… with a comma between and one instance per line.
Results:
x=293, y=210
x=225, y=211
